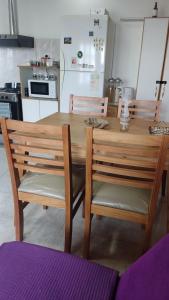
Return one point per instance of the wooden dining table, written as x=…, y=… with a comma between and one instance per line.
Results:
x=78, y=132
x=78, y=137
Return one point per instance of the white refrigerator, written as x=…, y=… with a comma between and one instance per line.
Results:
x=82, y=57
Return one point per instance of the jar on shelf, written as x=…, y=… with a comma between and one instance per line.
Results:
x=34, y=75
x=42, y=62
x=49, y=62
x=46, y=61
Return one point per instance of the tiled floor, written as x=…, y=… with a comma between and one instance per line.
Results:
x=114, y=243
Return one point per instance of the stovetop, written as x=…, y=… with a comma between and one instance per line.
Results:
x=10, y=90
x=11, y=87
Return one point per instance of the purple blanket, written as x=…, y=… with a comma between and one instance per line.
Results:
x=148, y=278
x=37, y=273
x=29, y=272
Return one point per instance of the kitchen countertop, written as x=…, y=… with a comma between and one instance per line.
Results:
x=40, y=98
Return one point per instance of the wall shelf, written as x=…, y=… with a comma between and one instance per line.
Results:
x=26, y=73
x=45, y=67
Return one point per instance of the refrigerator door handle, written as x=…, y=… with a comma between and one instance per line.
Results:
x=62, y=78
x=63, y=69
x=62, y=58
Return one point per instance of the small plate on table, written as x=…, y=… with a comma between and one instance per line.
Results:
x=96, y=123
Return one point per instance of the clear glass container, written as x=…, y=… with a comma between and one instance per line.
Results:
x=124, y=116
x=118, y=83
x=124, y=123
x=111, y=90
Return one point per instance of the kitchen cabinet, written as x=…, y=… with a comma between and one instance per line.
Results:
x=128, y=40
x=152, y=58
x=141, y=57
x=47, y=108
x=36, y=109
x=30, y=108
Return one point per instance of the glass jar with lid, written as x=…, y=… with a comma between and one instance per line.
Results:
x=118, y=87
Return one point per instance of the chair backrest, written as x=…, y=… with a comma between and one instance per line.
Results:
x=142, y=109
x=94, y=106
x=37, y=148
x=125, y=159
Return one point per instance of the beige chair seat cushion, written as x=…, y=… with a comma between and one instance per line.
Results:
x=121, y=197
x=51, y=185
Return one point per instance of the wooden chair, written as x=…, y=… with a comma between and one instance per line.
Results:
x=93, y=106
x=123, y=173
x=142, y=109
x=39, y=158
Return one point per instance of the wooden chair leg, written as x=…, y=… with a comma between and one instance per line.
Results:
x=148, y=232
x=143, y=226
x=18, y=219
x=45, y=207
x=164, y=176
x=83, y=208
x=87, y=233
x=68, y=233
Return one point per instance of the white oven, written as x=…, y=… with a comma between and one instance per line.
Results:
x=42, y=88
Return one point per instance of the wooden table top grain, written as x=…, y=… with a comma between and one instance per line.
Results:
x=78, y=129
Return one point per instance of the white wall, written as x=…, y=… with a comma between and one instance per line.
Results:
x=41, y=18
x=10, y=58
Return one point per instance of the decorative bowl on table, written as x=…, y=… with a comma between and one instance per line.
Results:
x=159, y=128
x=96, y=123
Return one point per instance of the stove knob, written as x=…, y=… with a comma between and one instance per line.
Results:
x=6, y=97
x=2, y=97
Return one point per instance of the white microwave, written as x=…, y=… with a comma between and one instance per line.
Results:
x=42, y=88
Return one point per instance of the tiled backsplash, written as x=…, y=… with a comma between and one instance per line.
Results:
x=10, y=58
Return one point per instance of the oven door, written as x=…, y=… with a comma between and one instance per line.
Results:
x=11, y=110
x=5, y=110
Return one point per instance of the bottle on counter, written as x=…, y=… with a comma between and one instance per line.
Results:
x=124, y=117
x=155, y=11
x=43, y=60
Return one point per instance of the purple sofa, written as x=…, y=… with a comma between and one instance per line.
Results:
x=37, y=273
